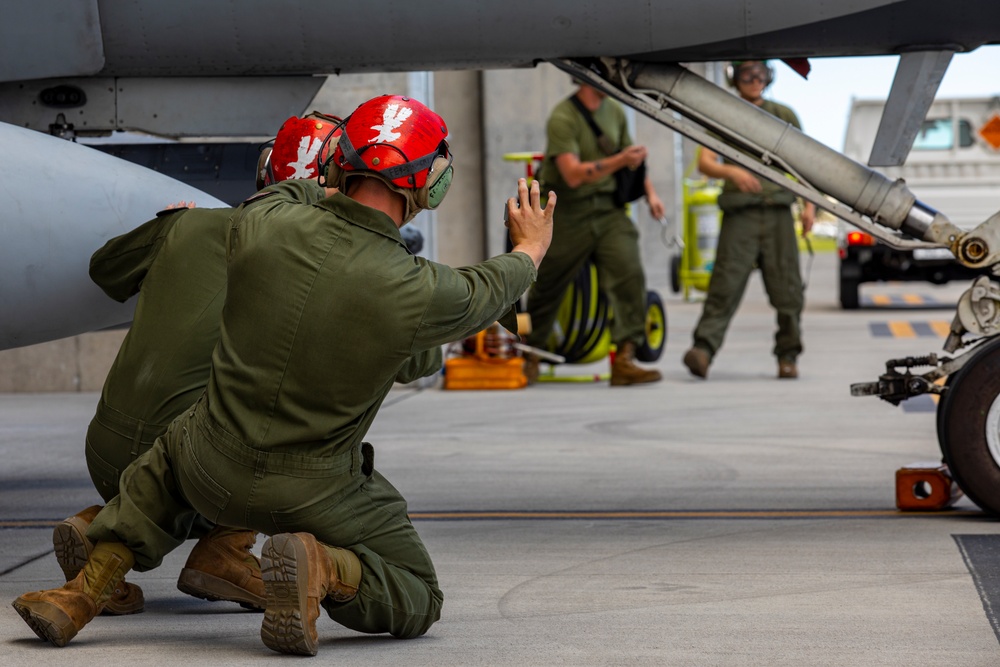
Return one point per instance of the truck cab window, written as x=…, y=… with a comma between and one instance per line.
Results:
x=939, y=135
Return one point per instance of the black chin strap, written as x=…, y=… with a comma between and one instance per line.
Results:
x=392, y=173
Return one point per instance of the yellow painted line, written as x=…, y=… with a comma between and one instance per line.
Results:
x=940, y=327
x=881, y=300
x=624, y=515
x=914, y=299
x=666, y=514
x=902, y=330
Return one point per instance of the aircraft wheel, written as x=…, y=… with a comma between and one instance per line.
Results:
x=656, y=329
x=970, y=428
x=940, y=410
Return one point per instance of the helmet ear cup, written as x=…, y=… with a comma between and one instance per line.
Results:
x=264, y=175
x=334, y=175
x=438, y=182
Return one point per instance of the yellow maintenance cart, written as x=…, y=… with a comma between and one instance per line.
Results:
x=692, y=268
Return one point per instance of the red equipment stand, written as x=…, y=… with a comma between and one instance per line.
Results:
x=925, y=487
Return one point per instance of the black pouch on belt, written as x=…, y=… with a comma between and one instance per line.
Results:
x=367, y=459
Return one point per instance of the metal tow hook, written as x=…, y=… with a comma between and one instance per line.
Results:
x=898, y=383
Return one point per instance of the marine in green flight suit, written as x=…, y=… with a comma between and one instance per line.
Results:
x=758, y=230
x=175, y=265
x=325, y=309
x=589, y=225
x=303, y=366
x=179, y=261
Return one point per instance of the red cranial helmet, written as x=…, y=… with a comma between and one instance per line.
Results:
x=300, y=149
x=400, y=141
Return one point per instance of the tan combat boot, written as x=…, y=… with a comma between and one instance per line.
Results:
x=222, y=567
x=697, y=361
x=69, y=539
x=787, y=370
x=57, y=615
x=299, y=573
x=625, y=372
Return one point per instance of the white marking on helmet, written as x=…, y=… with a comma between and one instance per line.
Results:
x=306, y=161
x=392, y=118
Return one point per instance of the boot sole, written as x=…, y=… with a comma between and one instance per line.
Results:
x=646, y=377
x=285, y=571
x=69, y=539
x=215, y=589
x=623, y=382
x=47, y=621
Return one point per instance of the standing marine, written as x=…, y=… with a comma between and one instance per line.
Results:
x=580, y=165
x=758, y=230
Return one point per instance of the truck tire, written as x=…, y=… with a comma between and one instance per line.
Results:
x=849, y=299
x=970, y=428
x=850, y=285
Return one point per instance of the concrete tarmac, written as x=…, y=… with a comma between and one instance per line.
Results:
x=740, y=520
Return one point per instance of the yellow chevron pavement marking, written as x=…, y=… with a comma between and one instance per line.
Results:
x=902, y=329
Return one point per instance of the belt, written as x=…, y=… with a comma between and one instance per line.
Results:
x=266, y=461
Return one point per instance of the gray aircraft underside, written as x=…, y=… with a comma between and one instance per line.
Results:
x=107, y=38
x=201, y=68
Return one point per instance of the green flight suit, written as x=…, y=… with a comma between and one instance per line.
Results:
x=325, y=309
x=757, y=230
x=176, y=263
x=588, y=225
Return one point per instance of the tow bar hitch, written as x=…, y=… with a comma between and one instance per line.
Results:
x=898, y=383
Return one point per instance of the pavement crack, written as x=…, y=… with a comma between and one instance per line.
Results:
x=27, y=561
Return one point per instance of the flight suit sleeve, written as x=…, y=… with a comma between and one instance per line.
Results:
x=121, y=264
x=421, y=365
x=467, y=300
x=783, y=113
x=562, y=134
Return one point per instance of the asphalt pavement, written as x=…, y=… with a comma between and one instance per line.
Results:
x=742, y=520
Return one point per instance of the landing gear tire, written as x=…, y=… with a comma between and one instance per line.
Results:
x=656, y=329
x=940, y=409
x=969, y=431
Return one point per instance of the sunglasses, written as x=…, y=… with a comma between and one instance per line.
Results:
x=750, y=77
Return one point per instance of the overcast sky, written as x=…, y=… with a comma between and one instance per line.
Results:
x=823, y=101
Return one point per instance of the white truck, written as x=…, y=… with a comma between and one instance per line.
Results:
x=954, y=167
